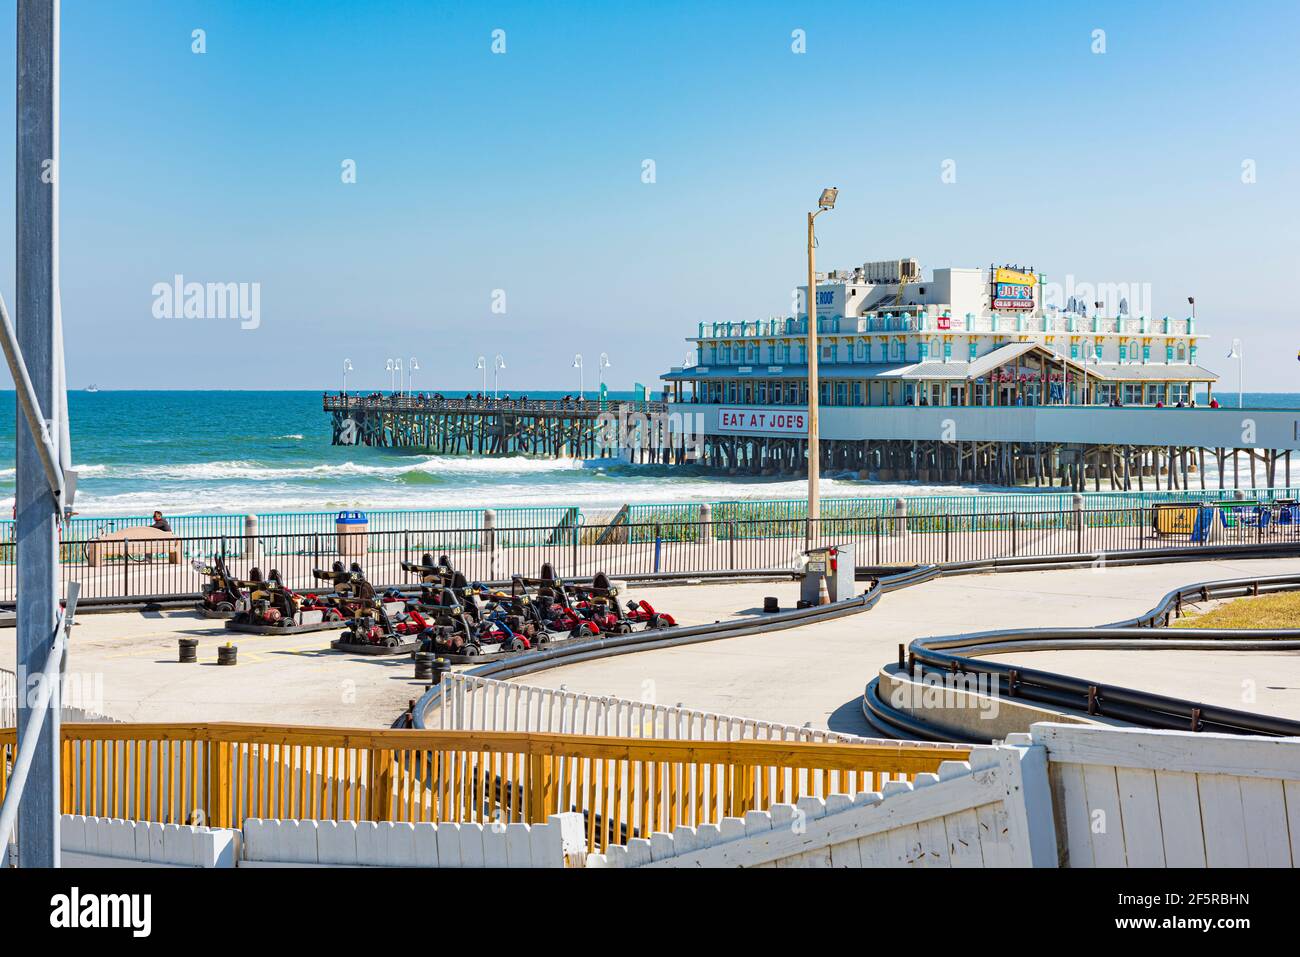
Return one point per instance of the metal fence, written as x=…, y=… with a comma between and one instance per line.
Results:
x=156, y=567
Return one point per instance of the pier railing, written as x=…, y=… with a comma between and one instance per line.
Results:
x=153, y=568
x=333, y=402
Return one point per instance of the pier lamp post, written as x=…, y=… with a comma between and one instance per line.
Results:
x=389, y=366
x=411, y=369
x=481, y=366
x=498, y=364
x=1236, y=354
x=401, y=376
x=827, y=201
x=577, y=364
x=601, y=366
x=347, y=367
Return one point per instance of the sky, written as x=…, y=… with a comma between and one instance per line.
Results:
x=501, y=202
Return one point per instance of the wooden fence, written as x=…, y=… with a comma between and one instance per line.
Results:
x=223, y=774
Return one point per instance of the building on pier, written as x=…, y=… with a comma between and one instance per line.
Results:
x=968, y=376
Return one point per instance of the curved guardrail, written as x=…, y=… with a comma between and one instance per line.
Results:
x=546, y=658
x=960, y=654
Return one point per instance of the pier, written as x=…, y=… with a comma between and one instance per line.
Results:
x=480, y=425
x=1072, y=447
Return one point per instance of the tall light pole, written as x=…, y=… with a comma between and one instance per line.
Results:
x=401, y=376
x=481, y=366
x=827, y=201
x=347, y=367
x=389, y=366
x=1191, y=301
x=601, y=366
x=1236, y=354
x=412, y=368
x=498, y=364
x=577, y=364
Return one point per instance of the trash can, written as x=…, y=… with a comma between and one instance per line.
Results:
x=351, y=530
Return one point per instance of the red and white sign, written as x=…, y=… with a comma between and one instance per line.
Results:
x=778, y=420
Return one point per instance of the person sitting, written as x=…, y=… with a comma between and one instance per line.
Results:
x=161, y=523
x=1214, y=403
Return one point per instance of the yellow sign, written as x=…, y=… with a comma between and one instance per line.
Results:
x=1176, y=519
x=1013, y=276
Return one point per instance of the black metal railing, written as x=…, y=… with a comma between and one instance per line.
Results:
x=161, y=567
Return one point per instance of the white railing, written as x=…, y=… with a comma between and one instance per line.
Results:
x=8, y=699
x=470, y=703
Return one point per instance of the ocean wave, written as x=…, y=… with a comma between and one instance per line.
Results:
x=252, y=470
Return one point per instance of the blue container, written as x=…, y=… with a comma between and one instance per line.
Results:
x=352, y=518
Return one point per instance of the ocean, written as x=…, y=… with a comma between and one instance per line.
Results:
x=237, y=452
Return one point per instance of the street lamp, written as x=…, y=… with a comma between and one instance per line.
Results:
x=577, y=364
x=389, y=366
x=601, y=366
x=1236, y=354
x=401, y=376
x=481, y=366
x=347, y=367
x=498, y=364
x=827, y=201
x=1191, y=301
x=412, y=368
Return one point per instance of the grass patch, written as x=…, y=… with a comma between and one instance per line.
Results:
x=1267, y=611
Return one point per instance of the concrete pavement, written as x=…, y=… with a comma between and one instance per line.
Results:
x=816, y=674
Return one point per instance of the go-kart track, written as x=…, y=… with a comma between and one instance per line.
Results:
x=812, y=674
x=815, y=674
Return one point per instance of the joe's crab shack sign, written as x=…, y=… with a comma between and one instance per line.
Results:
x=765, y=421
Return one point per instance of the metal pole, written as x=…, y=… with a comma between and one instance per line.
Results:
x=37, y=276
x=814, y=445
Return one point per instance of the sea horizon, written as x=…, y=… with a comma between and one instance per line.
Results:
x=224, y=451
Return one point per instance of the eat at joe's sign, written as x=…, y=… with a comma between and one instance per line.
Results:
x=763, y=420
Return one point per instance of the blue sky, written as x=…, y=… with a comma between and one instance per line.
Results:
x=522, y=172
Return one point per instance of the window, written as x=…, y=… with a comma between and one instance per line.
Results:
x=841, y=393
x=1132, y=393
x=896, y=353
x=751, y=352
x=824, y=393
x=857, y=393
x=828, y=353
x=762, y=393
x=973, y=351
x=1180, y=392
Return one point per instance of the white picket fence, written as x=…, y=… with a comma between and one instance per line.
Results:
x=970, y=814
x=560, y=842
x=111, y=842
x=470, y=703
x=1062, y=796
x=8, y=699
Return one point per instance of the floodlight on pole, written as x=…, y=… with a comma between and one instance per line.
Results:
x=827, y=201
x=601, y=366
x=1236, y=353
